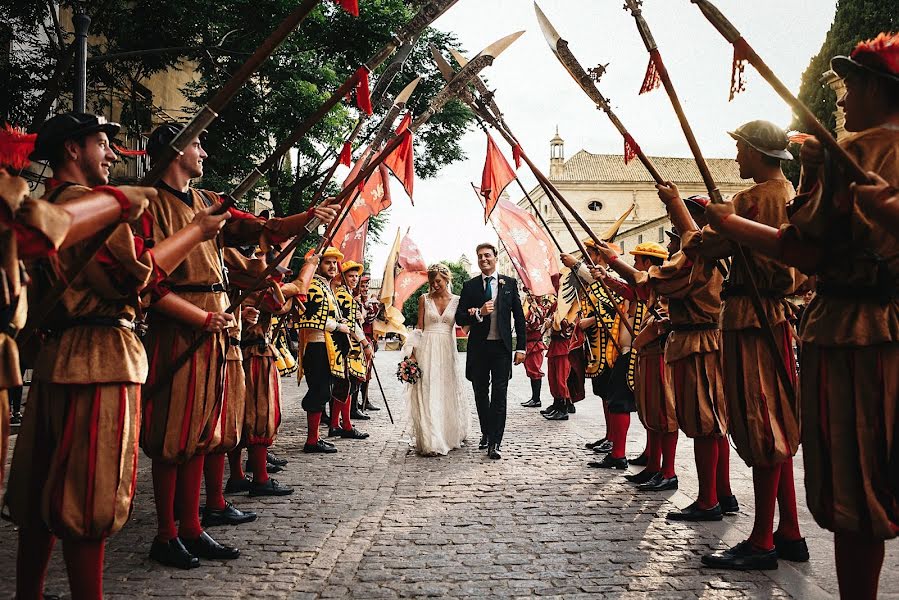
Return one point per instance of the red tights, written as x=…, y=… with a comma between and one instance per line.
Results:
x=340, y=412
x=214, y=474
x=258, y=462
x=774, y=485
x=617, y=427
x=83, y=558
x=313, y=419
x=660, y=450
x=712, y=456
x=859, y=560
x=235, y=465
x=181, y=484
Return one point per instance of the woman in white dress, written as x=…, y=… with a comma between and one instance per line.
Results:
x=439, y=409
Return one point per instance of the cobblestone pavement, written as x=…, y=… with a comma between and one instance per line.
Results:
x=377, y=521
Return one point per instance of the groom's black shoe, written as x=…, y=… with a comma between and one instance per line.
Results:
x=482, y=445
x=493, y=452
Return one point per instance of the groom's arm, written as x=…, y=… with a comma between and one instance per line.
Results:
x=518, y=317
x=463, y=318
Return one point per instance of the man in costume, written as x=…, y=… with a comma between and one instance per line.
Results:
x=323, y=345
x=559, y=364
x=370, y=309
x=835, y=232
x=182, y=419
x=536, y=320
x=75, y=465
x=359, y=354
x=761, y=416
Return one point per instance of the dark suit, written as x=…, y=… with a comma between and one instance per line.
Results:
x=488, y=365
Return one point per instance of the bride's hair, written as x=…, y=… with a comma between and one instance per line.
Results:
x=440, y=269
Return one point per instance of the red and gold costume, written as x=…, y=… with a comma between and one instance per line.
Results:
x=535, y=326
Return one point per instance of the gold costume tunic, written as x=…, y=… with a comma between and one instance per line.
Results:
x=597, y=336
x=318, y=323
x=762, y=420
x=349, y=307
x=692, y=284
x=850, y=354
x=75, y=464
x=28, y=229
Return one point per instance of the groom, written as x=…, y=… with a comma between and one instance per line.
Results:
x=487, y=305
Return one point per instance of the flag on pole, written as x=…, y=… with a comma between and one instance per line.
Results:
x=496, y=176
x=351, y=243
x=413, y=272
x=528, y=246
x=390, y=319
x=401, y=161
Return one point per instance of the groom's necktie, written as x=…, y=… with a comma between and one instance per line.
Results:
x=488, y=288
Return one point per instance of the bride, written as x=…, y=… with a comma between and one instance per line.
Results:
x=439, y=409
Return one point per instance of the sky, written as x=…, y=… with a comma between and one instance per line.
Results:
x=537, y=95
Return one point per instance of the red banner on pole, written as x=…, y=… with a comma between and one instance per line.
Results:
x=496, y=176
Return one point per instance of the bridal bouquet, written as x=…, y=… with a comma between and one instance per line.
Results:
x=408, y=371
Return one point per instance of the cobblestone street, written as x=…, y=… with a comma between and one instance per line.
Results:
x=377, y=521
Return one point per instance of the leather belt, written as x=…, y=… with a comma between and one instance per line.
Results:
x=736, y=291
x=261, y=342
x=694, y=327
x=218, y=287
x=94, y=322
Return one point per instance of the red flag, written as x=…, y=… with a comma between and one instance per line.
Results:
x=528, y=246
x=412, y=271
x=738, y=67
x=516, y=155
x=652, y=79
x=496, y=176
x=346, y=154
x=352, y=243
x=351, y=6
x=630, y=149
x=401, y=161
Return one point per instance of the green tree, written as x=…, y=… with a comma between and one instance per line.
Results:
x=165, y=34
x=410, y=306
x=854, y=21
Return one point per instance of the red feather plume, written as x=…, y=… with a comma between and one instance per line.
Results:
x=15, y=146
x=882, y=52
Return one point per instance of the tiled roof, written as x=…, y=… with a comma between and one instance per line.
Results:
x=585, y=166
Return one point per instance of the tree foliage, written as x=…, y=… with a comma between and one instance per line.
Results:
x=410, y=306
x=199, y=35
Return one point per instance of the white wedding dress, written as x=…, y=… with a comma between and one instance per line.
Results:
x=440, y=412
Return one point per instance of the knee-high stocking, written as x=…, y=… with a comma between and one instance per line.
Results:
x=705, y=452
x=258, y=464
x=722, y=473
x=788, y=527
x=35, y=546
x=190, y=481
x=336, y=411
x=535, y=389
x=653, y=451
x=618, y=426
x=312, y=421
x=214, y=474
x=764, y=483
x=235, y=465
x=165, y=479
x=606, y=416
x=859, y=560
x=84, y=565
x=668, y=443
x=344, y=414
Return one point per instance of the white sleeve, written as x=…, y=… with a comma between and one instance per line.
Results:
x=583, y=272
x=331, y=324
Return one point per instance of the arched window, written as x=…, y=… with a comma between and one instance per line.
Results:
x=595, y=205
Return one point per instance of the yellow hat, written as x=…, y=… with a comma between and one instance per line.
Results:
x=589, y=243
x=650, y=249
x=332, y=252
x=351, y=265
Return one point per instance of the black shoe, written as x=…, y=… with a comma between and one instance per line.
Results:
x=661, y=484
x=353, y=434
x=743, y=557
x=643, y=476
x=694, y=513
x=238, y=486
x=592, y=445
x=327, y=443
x=482, y=445
x=552, y=408
x=493, y=452
x=333, y=431
x=792, y=550
x=571, y=409
x=604, y=448
x=270, y=488
x=561, y=415
x=359, y=416
x=729, y=505
x=609, y=463
x=319, y=447
x=227, y=516
x=532, y=403
x=371, y=407
x=274, y=460
x=273, y=468
x=206, y=547
x=173, y=554
x=16, y=418
x=640, y=461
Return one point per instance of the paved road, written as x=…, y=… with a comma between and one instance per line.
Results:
x=377, y=521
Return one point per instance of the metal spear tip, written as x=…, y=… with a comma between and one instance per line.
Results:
x=442, y=65
x=460, y=58
x=404, y=95
x=497, y=47
x=549, y=32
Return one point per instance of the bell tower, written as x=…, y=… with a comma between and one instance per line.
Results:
x=556, y=156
